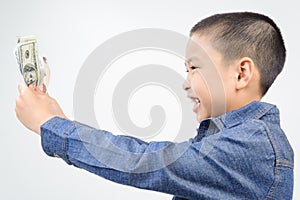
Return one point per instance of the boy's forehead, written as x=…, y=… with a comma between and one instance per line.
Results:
x=196, y=49
x=200, y=50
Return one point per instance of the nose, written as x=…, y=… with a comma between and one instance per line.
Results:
x=186, y=85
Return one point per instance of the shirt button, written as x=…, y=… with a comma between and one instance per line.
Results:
x=55, y=155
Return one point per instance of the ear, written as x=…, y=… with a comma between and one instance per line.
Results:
x=244, y=72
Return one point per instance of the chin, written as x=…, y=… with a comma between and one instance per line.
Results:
x=202, y=117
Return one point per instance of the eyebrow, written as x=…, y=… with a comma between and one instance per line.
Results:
x=192, y=58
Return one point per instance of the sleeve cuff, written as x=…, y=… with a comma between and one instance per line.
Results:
x=54, y=135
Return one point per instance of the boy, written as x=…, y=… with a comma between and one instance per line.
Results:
x=239, y=152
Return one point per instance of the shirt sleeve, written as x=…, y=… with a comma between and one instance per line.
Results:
x=193, y=170
x=122, y=159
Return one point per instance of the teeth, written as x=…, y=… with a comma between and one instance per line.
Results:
x=196, y=100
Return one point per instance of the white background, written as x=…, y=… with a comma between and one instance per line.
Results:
x=68, y=31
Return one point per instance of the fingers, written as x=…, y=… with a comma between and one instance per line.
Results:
x=21, y=88
x=42, y=90
x=46, y=78
x=31, y=87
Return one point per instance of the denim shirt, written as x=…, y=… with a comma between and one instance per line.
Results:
x=243, y=154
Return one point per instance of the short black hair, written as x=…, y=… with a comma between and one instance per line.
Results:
x=247, y=34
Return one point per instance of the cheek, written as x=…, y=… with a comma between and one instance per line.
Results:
x=211, y=89
x=201, y=90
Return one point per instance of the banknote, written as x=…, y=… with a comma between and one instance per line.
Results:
x=29, y=63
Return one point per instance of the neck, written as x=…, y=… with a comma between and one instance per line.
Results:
x=240, y=101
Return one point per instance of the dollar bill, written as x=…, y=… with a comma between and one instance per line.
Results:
x=28, y=60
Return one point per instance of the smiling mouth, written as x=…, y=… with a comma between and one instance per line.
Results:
x=196, y=102
x=194, y=99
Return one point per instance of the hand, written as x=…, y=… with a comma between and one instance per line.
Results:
x=34, y=107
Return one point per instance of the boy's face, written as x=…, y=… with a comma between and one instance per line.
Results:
x=209, y=82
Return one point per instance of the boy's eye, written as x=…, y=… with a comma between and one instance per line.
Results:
x=192, y=68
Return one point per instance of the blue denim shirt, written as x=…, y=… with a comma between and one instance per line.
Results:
x=243, y=154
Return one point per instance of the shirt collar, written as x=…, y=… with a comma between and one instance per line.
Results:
x=253, y=110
